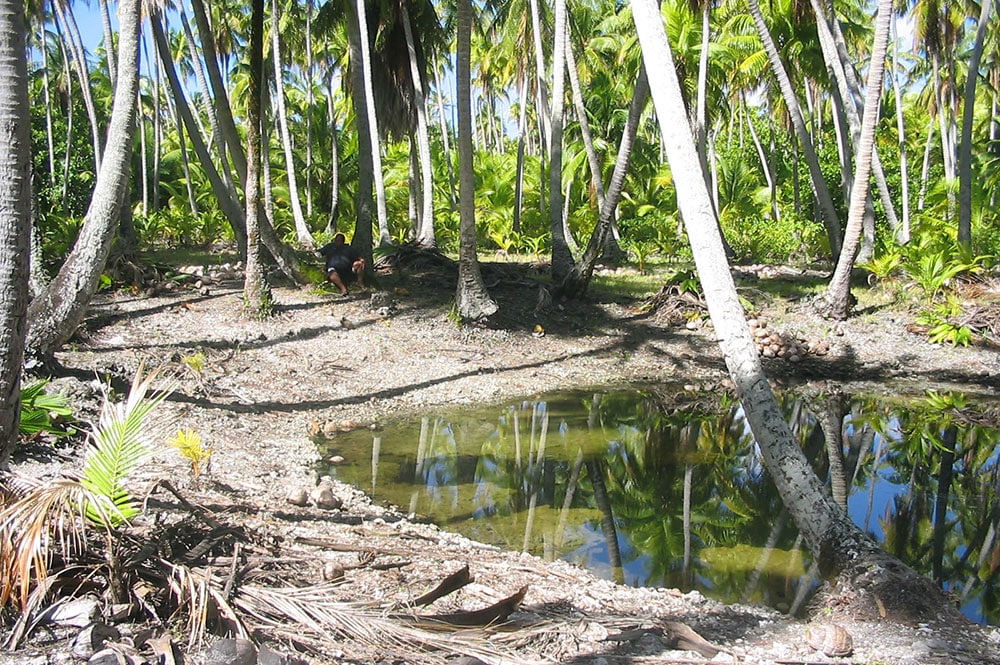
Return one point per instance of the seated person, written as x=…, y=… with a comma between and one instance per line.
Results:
x=343, y=263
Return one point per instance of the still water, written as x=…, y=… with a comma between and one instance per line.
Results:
x=657, y=487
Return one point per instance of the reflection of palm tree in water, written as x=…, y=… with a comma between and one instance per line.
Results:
x=596, y=469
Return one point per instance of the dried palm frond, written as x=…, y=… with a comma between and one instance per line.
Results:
x=48, y=516
x=325, y=623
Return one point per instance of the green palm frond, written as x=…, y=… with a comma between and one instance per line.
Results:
x=118, y=445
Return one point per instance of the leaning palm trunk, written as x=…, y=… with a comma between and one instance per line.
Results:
x=836, y=301
x=836, y=543
x=221, y=107
x=55, y=314
x=15, y=216
x=820, y=190
x=209, y=109
x=578, y=279
x=596, y=177
x=227, y=203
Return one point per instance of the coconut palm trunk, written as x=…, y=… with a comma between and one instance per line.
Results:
x=562, y=255
x=837, y=544
x=471, y=298
x=578, y=279
x=822, y=193
x=364, y=42
x=55, y=314
x=15, y=216
x=965, y=146
x=362, y=239
x=227, y=203
x=301, y=226
x=256, y=293
x=71, y=34
x=221, y=107
x=596, y=177
x=209, y=108
x=903, y=231
x=425, y=231
x=835, y=302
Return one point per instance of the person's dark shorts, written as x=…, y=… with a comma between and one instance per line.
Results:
x=342, y=265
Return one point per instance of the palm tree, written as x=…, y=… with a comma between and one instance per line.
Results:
x=15, y=216
x=833, y=538
x=965, y=147
x=820, y=190
x=256, y=293
x=222, y=106
x=227, y=202
x=301, y=226
x=364, y=42
x=471, y=298
x=562, y=256
x=55, y=313
x=71, y=35
x=836, y=300
x=576, y=281
x=425, y=230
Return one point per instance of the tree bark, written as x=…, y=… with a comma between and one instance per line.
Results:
x=837, y=544
x=256, y=293
x=835, y=302
x=15, y=217
x=55, y=314
x=471, y=298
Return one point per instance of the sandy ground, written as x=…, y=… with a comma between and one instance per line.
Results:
x=261, y=386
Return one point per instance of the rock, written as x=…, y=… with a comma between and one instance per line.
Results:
x=91, y=639
x=231, y=651
x=833, y=640
x=336, y=459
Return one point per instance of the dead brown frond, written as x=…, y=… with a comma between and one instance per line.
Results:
x=47, y=517
x=322, y=622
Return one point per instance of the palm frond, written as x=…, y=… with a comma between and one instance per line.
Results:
x=46, y=517
x=323, y=622
x=119, y=443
